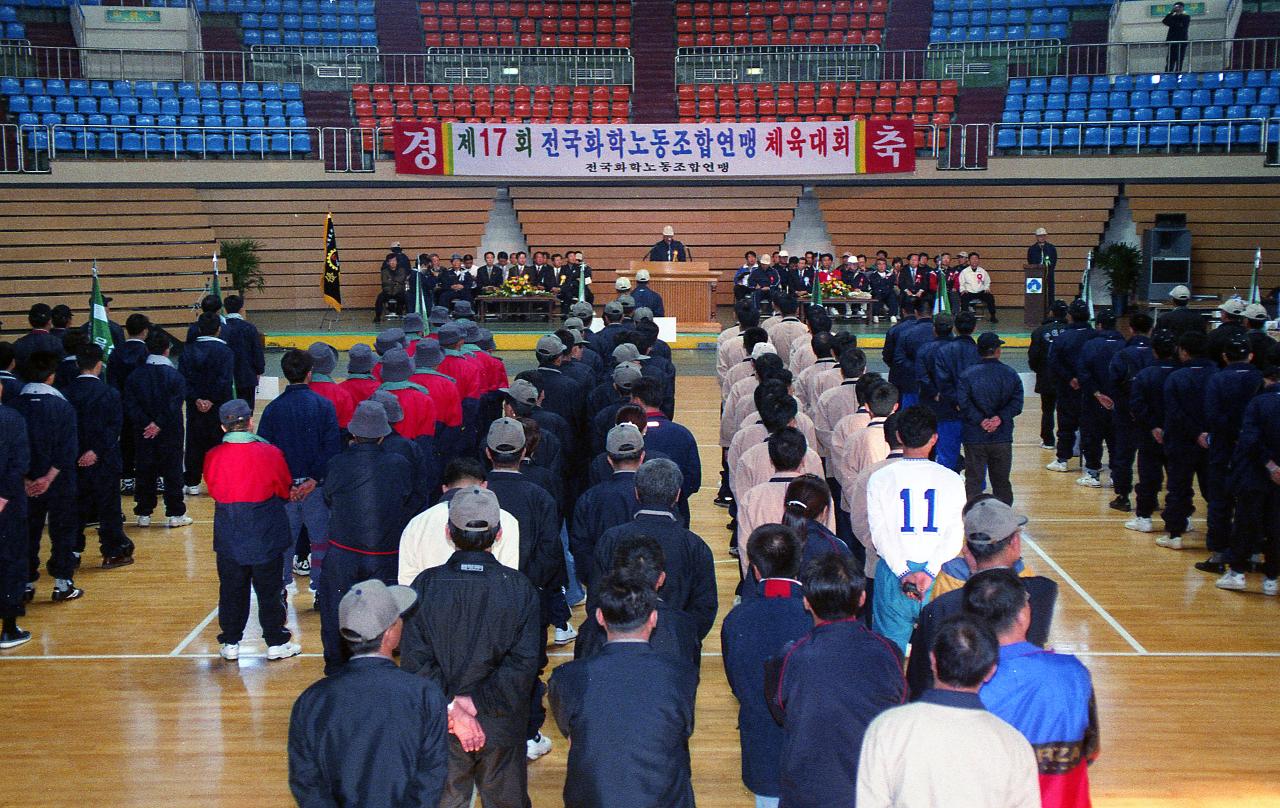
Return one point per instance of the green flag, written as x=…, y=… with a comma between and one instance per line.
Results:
x=1255, y=292
x=99, y=325
x=215, y=288
x=942, y=302
x=1086, y=283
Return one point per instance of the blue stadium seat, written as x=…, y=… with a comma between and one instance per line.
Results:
x=252, y=107
x=935, y=35
x=214, y=143
x=368, y=22
x=74, y=119
x=1033, y=102
x=1180, y=98
x=1007, y=138
x=173, y=143
x=276, y=122
x=64, y=104
x=1233, y=79
x=153, y=142
x=1166, y=114
x=63, y=140
x=1038, y=85
x=1190, y=113
x=1214, y=112
x=42, y=104
x=252, y=36
x=1269, y=95
x=349, y=39
x=1140, y=98
x=77, y=88
x=233, y=121
x=292, y=39
x=1037, y=31
x=290, y=91
x=330, y=39
x=1058, y=84
x=1246, y=96
x=32, y=87
x=1236, y=111
x=86, y=105
x=166, y=89
x=86, y=142
x=166, y=120
x=1071, y=138
x=1054, y=116
x=1134, y=136
x=1160, y=98
x=255, y=121
x=1143, y=114
x=1095, y=137
x=269, y=91
x=173, y=106
x=1058, y=30
x=19, y=104
x=1259, y=111
x=1013, y=102
x=301, y=143
x=186, y=89
x=271, y=38
x=1180, y=135
x=1055, y=100
x=1017, y=86
x=369, y=39
x=298, y=122
x=1032, y=116
x=210, y=106
x=1030, y=138
x=1122, y=83
x=10, y=86
x=270, y=108
x=293, y=108
x=1118, y=99
x=1222, y=135
x=55, y=87
x=121, y=120
x=144, y=120
x=312, y=39
x=1060, y=15
x=1040, y=16
x=213, y=121
x=229, y=90
x=1122, y=114
x=1158, y=135
x=1010, y=116
x=131, y=143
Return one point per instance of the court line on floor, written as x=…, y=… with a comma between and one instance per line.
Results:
x=195, y=632
x=1084, y=594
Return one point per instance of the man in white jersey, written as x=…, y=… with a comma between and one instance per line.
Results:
x=914, y=512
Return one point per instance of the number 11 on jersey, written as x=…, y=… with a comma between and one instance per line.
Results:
x=929, y=496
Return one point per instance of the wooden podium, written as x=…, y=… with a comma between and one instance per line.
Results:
x=686, y=288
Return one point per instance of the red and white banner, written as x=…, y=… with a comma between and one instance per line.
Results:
x=647, y=150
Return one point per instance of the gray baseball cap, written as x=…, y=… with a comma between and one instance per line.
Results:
x=370, y=608
x=370, y=420
x=428, y=354
x=642, y=313
x=574, y=322
x=474, y=508
x=470, y=331
x=578, y=339
x=993, y=519
x=549, y=346
x=626, y=301
x=360, y=358
x=522, y=391
x=234, y=410
x=390, y=404
x=505, y=435
x=388, y=339
x=1180, y=292
x=1255, y=311
x=323, y=358
x=1235, y=307
x=450, y=334
x=624, y=439
x=626, y=352
x=582, y=309
x=625, y=375
x=613, y=307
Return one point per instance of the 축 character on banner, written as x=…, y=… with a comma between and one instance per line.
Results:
x=420, y=148
x=890, y=147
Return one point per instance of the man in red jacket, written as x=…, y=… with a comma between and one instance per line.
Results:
x=250, y=483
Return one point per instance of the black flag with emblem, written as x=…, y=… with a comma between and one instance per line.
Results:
x=332, y=284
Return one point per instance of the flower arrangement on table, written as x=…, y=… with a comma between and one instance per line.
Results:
x=838, y=288
x=518, y=286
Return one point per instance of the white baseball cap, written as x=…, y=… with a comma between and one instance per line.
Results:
x=1040, y=231
x=1180, y=292
x=668, y=231
x=642, y=275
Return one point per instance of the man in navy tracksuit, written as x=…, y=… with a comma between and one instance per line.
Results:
x=1186, y=440
x=245, y=342
x=8, y=378
x=1097, y=397
x=1038, y=359
x=208, y=366
x=990, y=397
x=1255, y=474
x=1225, y=399
x=1125, y=365
x=126, y=357
x=249, y=481
x=369, y=495
x=672, y=439
x=609, y=503
x=209, y=304
x=946, y=364
x=304, y=425
x=39, y=339
x=1146, y=403
x=424, y=473
x=1062, y=365
x=755, y=631
x=99, y=414
x=906, y=346
x=828, y=686
x=15, y=457
x=153, y=398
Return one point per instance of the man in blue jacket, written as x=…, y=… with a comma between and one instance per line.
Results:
x=99, y=414
x=646, y=297
x=245, y=342
x=1062, y=366
x=15, y=457
x=1186, y=439
x=627, y=711
x=755, y=631
x=609, y=503
x=153, y=399
x=990, y=397
x=50, y=475
x=304, y=425
x=1146, y=402
x=908, y=344
x=126, y=357
x=828, y=686
x=672, y=439
x=372, y=735
x=1125, y=365
x=943, y=367
x=208, y=366
x=1097, y=397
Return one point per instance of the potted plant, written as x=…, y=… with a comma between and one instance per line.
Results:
x=1121, y=264
x=243, y=264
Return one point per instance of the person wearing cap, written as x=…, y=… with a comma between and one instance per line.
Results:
x=454, y=283
x=561, y=394
x=628, y=710
x=1063, y=355
x=1146, y=403
x=462, y=310
x=1255, y=476
x=1038, y=359
x=1046, y=696
x=572, y=365
x=624, y=376
x=569, y=277
x=611, y=502
x=672, y=439
x=250, y=483
x=1231, y=325
x=1186, y=440
x=586, y=354
x=304, y=426
x=359, y=383
x=424, y=465
x=1255, y=317
x=419, y=422
x=320, y=380
x=523, y=399
x=369, y=496
x=153, y=398
x=646, y=297
x=628, y=413
x=1043, y=254
x=763, y=280
x=479, y=344
x=1181, y=318
x=993, y=540
x=947, y=748
x=669, y=249
x=208, y=366
x=989, y=398
x=371, y=734
x=458, y=365
x=413, y=327
x=653, y=365
x=393, y=276
x=1097, y=397
x=1123, y=369
x=444, y=394
x=245, y=342
x=606, y=339
x=487, y=672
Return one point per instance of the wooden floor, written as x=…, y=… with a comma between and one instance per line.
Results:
x=121, y=698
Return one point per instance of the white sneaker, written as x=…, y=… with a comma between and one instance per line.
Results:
x=1270, y=586
x=229, y=650
x=1088, y=481
x=291, y=588
x=875, y=319
x=284, y=651
x=537, y=746
x=1172, y=542
x=1057, y=465
x=144, y=521
x=1049, y=446
x=302, y=565
x=1142, y=524
x=191, y=490
x=1231, y=580
x=566, y=635
x=178, y=521
x=893, y=320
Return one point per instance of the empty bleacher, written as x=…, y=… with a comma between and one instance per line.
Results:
x=996, y=220
x=10, y=27
x=780, y=22
x=303, y=23
x=548, y=24
x=968, y=21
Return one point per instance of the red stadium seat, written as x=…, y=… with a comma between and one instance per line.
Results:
x=360, y=92
x=866, y=89
x=844, y=106
x=686, y=108
x=883, y=106
x=381, y=92
x=383, y=109
x=887, y=89
x=872, y=37
x=903, y=106
x=424, y=109
x=787, y=91
x=948, y=87
x=924, y=104
x=767, y=108
x=727, y=108
x=805, y=106
x=826, y=106
x=806, y=90
x=945, y=104
x=786, y=106
x=707, y=108
x=746, y=108
x=684, y=40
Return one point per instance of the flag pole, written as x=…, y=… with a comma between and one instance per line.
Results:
x=1255, y=291
x=1087, y=283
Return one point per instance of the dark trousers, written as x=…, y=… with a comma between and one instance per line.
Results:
x=1220, y=502
x=342, y=570
x=128, y=450
x=380, y=304
x=1048, y=402
x=163, y=460
x=1122, y=452
x=1095, y=430
x=1177, y=52
x=1257, y=513
x=234, y=581
x=1186, y=462
x=988, y=460
x=58, y=505
x=499, y=773
x=204, y=431
x=984, y=297
x=1151, y=463
x=98, y=492
x=1068, y=422
x=13, y=562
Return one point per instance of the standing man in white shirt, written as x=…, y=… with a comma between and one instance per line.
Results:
x=914, y=512
x=975, y=284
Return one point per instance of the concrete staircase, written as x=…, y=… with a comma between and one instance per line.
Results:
x=330, y=109
x=907, y=25
x=216, y=41
x=653, y=46
x=399, y=31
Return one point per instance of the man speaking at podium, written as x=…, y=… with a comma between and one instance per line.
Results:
x=669, y=249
